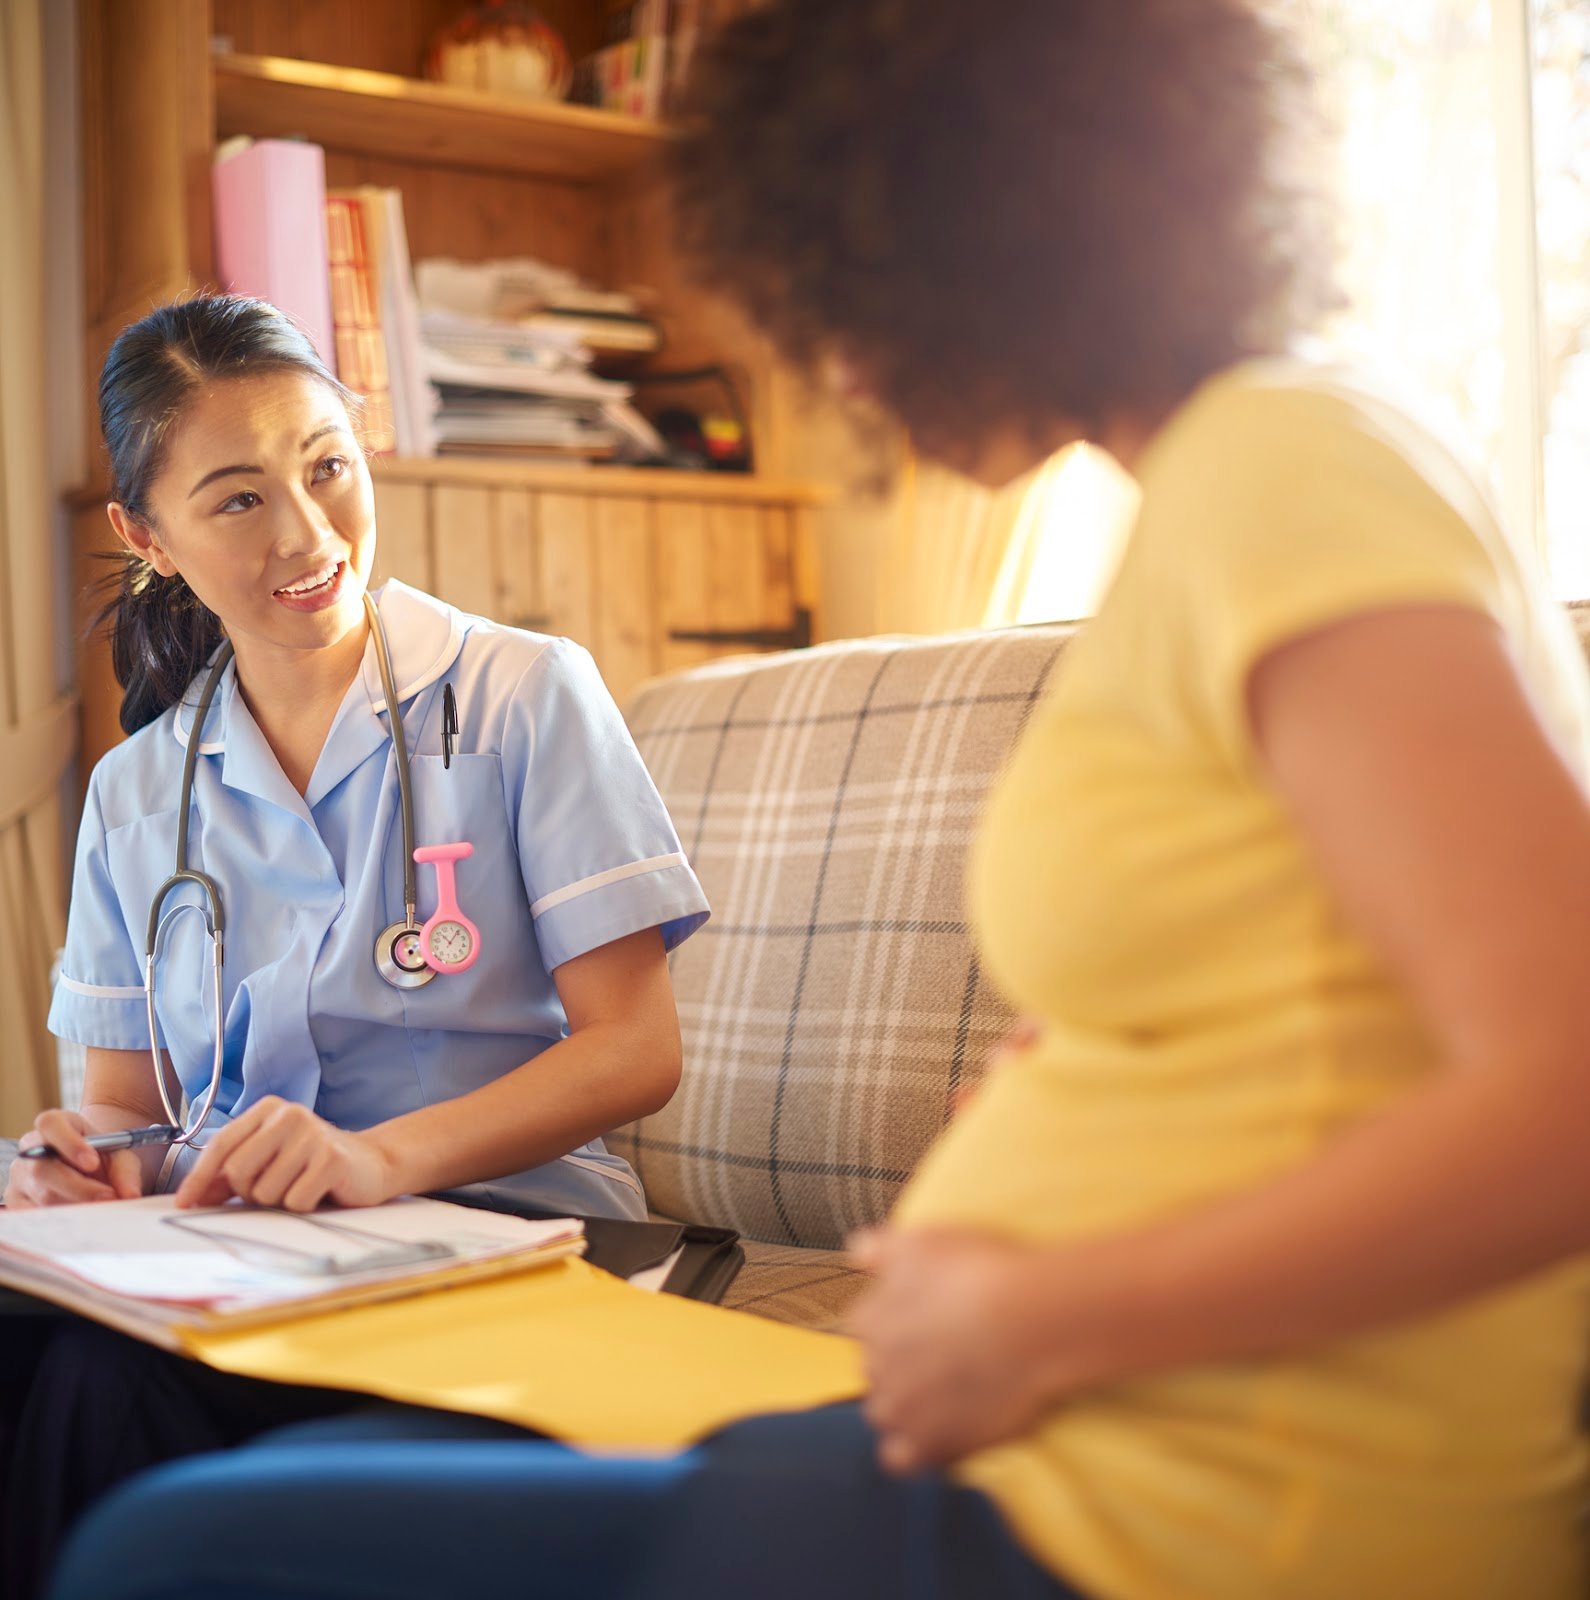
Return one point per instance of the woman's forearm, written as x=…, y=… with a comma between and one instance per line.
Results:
x=1472, y=1181
x=598, y=1078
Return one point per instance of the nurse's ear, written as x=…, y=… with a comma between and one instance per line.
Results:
x=141, y=538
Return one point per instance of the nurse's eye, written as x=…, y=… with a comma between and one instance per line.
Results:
x=331, y=467
x=243, y=500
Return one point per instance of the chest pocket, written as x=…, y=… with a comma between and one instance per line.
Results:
x=463, y=803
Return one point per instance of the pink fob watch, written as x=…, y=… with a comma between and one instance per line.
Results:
x=449, y=941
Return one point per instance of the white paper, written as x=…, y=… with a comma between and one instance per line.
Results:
x=129, y=1247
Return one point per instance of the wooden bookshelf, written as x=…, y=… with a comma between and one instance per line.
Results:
x=629, y=483
x=379, y=114
x=652, y=569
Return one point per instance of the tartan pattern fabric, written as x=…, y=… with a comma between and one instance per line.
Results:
x=806, y=1288
x=833, y=1005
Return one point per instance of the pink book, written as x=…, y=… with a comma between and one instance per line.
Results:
x=270, y=231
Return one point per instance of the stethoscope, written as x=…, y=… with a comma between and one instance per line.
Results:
x=407, y=954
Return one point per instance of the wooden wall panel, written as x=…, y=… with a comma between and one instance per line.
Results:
x=477, y=215
x=461, y=548
x=403, y=535
x=626, y=647
x=99, y=725
x=682, y=563
x=567, y=540
x=146, y=165
x=516, y=562
x=735, y=571
x=778, y=567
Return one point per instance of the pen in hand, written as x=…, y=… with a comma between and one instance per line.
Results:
x=123, y=1139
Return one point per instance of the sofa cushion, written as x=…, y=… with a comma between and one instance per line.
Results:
x=789, y=1283
x=833, y=1005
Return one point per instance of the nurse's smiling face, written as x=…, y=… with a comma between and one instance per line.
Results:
x=263, y=504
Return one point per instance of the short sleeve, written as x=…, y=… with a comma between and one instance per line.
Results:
x=99, y=993
x=597, y=848
x=1281, y=510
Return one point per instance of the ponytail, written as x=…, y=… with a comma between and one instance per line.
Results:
x=161, y=635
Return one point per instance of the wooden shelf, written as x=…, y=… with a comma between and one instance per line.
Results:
x=379, y=114
x=643, y=483
x=619, y=483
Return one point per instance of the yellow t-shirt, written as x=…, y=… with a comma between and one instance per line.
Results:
x=1210, y=1021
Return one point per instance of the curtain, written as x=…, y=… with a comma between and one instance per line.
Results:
x=37, y=723
x=1041, y=549
x=942, y=553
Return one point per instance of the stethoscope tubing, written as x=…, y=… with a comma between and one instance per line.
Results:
x=213, y=909
x=400, y=750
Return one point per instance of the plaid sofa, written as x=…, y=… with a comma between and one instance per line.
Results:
x=833, y=1005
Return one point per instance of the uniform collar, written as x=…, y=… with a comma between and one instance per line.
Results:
x=213, y=738
x=248, y=764
x=425, y=636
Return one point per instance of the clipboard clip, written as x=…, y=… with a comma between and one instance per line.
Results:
x=279, y=1256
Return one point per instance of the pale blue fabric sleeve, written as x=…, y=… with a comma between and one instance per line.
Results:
x=597, y=849
x=99, y=995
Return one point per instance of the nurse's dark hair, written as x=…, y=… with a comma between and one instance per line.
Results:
x=161, y=634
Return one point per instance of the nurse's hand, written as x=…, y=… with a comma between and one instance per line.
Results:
x=965, y=1340
x=77, y=1174
x=279, y=1153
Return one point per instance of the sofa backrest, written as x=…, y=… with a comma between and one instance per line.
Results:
x=833, y=1005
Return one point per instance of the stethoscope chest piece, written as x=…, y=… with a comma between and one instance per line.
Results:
x=400, y=956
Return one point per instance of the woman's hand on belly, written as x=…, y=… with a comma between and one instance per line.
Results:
x=960, y=1342
x=279, y=1153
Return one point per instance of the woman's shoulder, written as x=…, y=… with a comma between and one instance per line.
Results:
x=504, y=677
x=1305, y=426
x=519, y=663
x=466, y=641
x=139, y=776
x=1298, y=469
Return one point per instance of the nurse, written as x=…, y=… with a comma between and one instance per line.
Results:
x=245, y=505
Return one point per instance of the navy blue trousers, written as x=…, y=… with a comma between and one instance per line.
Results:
x=83, y=1409
x=406, y=1504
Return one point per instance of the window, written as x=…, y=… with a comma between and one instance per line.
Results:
x=1464, y=183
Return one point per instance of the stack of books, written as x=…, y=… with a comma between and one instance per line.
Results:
x=376, y=320
x=448, y=357
x=636, y=71
x=508, y=347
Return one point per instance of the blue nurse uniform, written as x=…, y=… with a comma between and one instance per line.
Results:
x=572, y=849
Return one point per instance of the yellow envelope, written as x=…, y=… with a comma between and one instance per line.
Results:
x=565, y=1349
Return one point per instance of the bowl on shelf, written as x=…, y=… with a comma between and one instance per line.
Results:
x=501, y=47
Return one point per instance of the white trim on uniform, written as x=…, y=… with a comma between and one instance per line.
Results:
x=600, y=880
x=99, y=991
x=617, y=1174
x=211, y=747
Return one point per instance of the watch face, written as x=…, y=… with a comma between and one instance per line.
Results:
x=450, y=943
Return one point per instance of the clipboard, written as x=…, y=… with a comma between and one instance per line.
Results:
x=708, y=1258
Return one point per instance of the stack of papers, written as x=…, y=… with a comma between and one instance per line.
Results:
x=157, y=1273
x=512, y=374
x=525, y=1331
